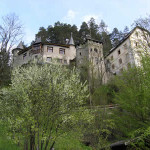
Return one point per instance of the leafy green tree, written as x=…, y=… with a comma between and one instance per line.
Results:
x=133, y=98
x=42, y=103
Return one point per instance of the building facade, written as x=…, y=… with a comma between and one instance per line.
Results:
x=127, y=53
x=44, y=52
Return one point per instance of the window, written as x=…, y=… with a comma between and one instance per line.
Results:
x=61, y=51
x=119, y=52
x=121, y=70
x=65, y=61
x=113, y=66
x=95, y=50
x=96, y=60
x=49, y=59
x=49, y=49
x=36, y=56
x=136, y=44
x=112, y=57
x=24, y=55
x=125, y=46
x=80, y=53
x=120, y=61
x=91, y=49
x=60, y=60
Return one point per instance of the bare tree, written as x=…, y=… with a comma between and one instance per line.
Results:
x=10, y=33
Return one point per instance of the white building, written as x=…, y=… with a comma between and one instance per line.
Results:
x=45, y=52
x=128, y=52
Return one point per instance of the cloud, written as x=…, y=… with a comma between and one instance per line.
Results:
x=96, y=17
x=70, y=16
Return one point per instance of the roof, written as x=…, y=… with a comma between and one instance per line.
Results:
x=45, y=43
x=20, y=45
x=125, y=38
x=71, y=42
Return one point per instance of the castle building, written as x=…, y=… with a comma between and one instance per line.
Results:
x=127, y=53
x=90, y=53
x=45, y=52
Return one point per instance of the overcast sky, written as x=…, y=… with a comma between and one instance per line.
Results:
x=37, y=13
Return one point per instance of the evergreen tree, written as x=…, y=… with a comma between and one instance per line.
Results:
x=105, y=38
x=84, y=31
x=115, y=36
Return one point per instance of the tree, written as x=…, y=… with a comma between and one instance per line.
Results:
x=84, y=31
x=42, y=103
x=10, y=33
x=105, y=38
x=142, y=22
x=93, y=27
x=133, y=98
x=116, y=36
x=125, y=31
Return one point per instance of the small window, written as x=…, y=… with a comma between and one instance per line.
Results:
x=95, y=50
x=49, y=49
x=49, y=59
x=112, y=57
x=119, y=52
x=80, y=53
x=59, y=60
x=24, y=55
x=125, y=46
x=113, y=66
x=121, y=70
x=136, y=44
x=96, y=60
x=36, y=57
x=91, y=49
x=61, y=51
x=65, y=61
x=120, y=61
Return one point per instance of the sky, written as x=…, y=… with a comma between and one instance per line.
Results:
x=42, y=13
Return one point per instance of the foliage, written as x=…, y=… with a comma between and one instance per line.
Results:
x=140, y=139
x=5, y=143
x=42, y=103
x=70, y=141
x=133, y=98
x=103, y=95
x=99, y=132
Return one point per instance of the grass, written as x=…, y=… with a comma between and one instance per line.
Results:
x=70, y=142
x=5, y=143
